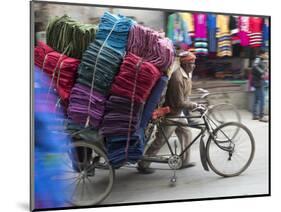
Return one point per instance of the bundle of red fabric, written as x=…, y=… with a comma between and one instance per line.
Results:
x=59, y=67
x=135, y=76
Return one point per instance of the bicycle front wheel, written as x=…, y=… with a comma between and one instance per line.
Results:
x=223, y=113
x=230, y=155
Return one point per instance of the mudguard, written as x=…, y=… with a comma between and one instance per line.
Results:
x=203, y=155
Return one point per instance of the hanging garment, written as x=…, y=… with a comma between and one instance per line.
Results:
x=119, y=112
x=84, y=103
x=200, y=37
x=188, y=18
x=135, y=78
x=153, y=100
x=244, y=29
x=70, y=37
x=61, y=69
x=223, y=36
x=265, y=33
x=114, y=29
x=178, y=29
x=255, y=28
x=149, y=45
x=99, y=66
x=234, y=30
x=212, y=31
x=234, y=33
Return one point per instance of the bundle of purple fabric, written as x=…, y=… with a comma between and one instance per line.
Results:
x=148, y=44
x=117, y=116
x=78, y=109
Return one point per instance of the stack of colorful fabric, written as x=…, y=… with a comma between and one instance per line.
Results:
x=123, y=114
x=117, y=146
x=59, y=67
x=84, y=103
x=149, y=45
x=99, y=67
x=114, y=29
x=135, y=73
x=100, y=63
x=69, y=36
x=117, y=116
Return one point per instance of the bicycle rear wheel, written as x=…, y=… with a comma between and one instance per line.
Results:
x=231, y=149
x=88, y=180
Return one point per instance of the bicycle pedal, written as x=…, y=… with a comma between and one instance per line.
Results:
x=173, y=179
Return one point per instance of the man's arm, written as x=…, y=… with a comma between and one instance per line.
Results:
x=179, y=100
x=256, y=65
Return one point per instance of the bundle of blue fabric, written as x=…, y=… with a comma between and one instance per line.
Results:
x=153, y=100
x=116, y=148
x=104, y=62
x=114, y=28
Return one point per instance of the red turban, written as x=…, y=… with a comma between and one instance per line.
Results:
x=187, y=57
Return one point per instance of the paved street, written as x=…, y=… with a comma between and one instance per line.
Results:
x=195, y=183
x=192, y=183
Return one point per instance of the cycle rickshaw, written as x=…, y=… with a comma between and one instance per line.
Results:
x=228, y=151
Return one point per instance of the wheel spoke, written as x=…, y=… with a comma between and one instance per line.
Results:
x=87, y=189
x=242, y=150
x=76, y=186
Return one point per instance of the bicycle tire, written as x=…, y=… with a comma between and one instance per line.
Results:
x=216, y=112
x=96, y=174
x=212, y=144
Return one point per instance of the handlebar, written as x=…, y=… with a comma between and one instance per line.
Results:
x=201, y=109
x=202, y=90
x=203, y=93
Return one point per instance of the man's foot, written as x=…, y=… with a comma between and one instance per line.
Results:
x=263, y=119
x=256, y=117
x=188, y=165
x=143, y=170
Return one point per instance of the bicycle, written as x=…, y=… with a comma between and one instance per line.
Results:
x=92, y=179
x=222, y=112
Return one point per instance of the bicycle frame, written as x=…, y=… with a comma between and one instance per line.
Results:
x=204, y=127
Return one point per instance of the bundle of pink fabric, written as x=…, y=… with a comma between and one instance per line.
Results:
x=151, y=46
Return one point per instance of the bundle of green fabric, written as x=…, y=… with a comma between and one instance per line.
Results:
x=69, y=36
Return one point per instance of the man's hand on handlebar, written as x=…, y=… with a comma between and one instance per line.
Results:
x=200, y=108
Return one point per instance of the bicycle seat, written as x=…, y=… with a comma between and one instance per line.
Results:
x=160, y=112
